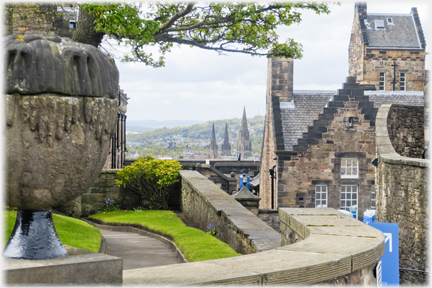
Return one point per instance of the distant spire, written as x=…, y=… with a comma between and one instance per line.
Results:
x=244, y=145
x=226, y=146
x=213, y=149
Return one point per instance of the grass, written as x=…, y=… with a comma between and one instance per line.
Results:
x=195, y=244
x=71, y=231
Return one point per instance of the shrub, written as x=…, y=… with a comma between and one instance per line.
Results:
x=151, y=178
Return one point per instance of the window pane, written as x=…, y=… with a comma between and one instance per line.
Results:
x=343, y=196
x=317, y=202
x=348, y=203
x=342, y=188
x=324, y=188
x=354, y=202
x=354, y=171
x=318, y=196
x=324, y=202
x=343, y=203
x=354, y=188
x=354, y=196
x=348, y=196
x=348, y=188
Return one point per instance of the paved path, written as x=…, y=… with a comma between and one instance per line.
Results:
x=137, y=251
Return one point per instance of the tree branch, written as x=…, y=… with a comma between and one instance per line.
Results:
x=170, y=22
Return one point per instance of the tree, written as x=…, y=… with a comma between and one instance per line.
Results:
x=248, y=28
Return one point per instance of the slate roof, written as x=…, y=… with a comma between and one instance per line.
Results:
x=309, y=104
x=401, y=35
x=410, y=98
x=295, y=121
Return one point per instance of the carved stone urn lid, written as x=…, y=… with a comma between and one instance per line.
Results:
x=37, y=64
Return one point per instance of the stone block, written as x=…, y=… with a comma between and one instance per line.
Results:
x=80, y=267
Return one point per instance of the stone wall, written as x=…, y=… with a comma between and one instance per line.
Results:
x=204, y=203
x=402, y=197
x=224, y=182
x=270, y=217
x=38, y=19
x=407, y=135
x=316, y=260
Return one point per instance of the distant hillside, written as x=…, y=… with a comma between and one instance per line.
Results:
x=144, y=125
x=203, y=131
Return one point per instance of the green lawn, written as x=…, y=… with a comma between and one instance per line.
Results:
x=71, y=231
x=195, y=244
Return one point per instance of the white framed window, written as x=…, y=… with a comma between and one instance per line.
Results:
x=321, y=196
x=349, y=196
x=379, y=25
x=402, y=81
x=349, y=168
x=382, y=81
x=390, y=21
x=373, y=197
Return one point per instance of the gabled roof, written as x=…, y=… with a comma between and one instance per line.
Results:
x=401, y=33
x=309, y=105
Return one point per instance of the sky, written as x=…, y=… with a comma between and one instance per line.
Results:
x=196, y=84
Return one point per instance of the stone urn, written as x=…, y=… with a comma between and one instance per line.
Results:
x=61, y=112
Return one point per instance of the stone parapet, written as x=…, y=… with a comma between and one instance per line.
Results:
x=204, y=203
x=402, y=197
x=315, y=260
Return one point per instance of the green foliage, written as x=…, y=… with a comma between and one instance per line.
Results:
x=196, y=245
x=71, y=231
x=151, y=178
x=223, y=27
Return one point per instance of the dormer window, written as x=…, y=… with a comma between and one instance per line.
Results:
x=390, y=21
x=379, y=25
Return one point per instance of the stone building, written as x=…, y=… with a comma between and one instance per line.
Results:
x=321, y=143
x=387, y=50
x=213, y=148
x=45, y=19
x=244, y=146
x=226, y=146
x=117, y=154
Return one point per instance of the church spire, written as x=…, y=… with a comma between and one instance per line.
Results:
x=226, y=146
x=244, y=145
x=213, y=148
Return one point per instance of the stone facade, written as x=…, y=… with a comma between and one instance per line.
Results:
x=402, y=195
x=344, y=131
x=370, y=55
x=279, y=89
x=244, y=146
x=226, y=146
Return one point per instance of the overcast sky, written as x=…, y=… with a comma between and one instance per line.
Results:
x=201, y=85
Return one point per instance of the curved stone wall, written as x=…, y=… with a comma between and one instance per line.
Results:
x=314, y=260
x=402, y=197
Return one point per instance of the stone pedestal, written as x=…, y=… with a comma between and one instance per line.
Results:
x=248, y=200
x=80, y=267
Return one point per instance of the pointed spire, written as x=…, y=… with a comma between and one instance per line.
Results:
x=226, y=146
x=244, y=146
x=213, y=148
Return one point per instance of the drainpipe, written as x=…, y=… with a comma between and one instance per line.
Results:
x=272, y=177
